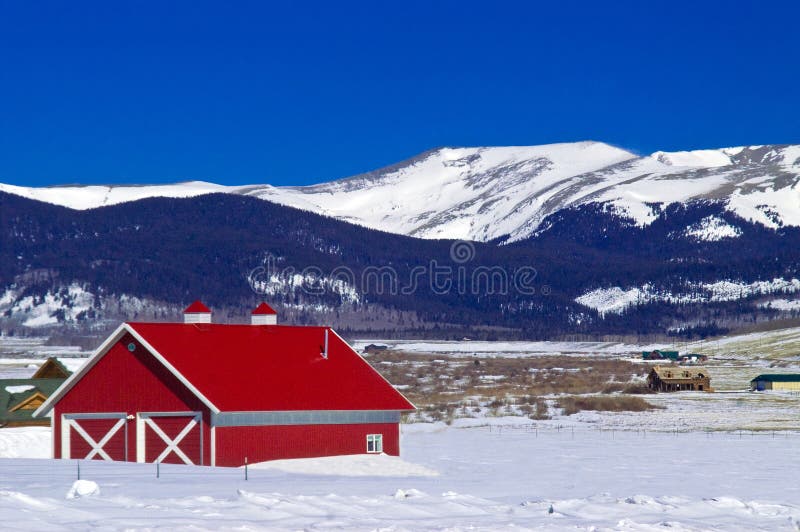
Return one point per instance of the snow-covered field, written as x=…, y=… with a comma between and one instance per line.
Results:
x=509, y=349
x=721, y=461
x=487, y=480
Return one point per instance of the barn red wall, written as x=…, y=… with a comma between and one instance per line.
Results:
x=259, y=444
x=128, y=382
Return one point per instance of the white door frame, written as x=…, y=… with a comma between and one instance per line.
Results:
x=145, y=419
x=71, y=421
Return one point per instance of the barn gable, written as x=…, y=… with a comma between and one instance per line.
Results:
x=127, y=376
x=111, y=342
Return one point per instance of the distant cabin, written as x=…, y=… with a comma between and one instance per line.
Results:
x=658, y=354
x=691, y=358
x=52, y=369
x=783, y=382
x=678, y=379
x=19, y=398
x=674, y=356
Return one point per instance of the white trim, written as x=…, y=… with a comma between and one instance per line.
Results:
x=100, y=353
x=139, y=438
x=65, y=452
x=196, y=317
x=264, y=319
x=373, y=369
x=325, y=349
x=52, y=434
x=213, y=446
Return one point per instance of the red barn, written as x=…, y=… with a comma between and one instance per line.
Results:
x=212, y=394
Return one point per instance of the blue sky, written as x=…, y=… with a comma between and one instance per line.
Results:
x=302, y=92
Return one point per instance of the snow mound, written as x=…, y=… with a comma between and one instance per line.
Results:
x=83, y=488
x=401, y=494
x=25, y=442
x=356, y=465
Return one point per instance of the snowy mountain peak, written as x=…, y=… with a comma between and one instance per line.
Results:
x=485, y=193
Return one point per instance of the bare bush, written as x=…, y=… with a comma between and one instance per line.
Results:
x=441, y=387
x=638, y=389
x=573, y=404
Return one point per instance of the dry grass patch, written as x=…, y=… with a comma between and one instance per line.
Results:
x=618, y=403
x=447, y=387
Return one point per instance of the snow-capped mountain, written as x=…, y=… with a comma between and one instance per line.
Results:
x=507, y=192
x=489, y=193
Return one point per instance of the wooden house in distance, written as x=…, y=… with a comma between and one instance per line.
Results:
x=660, y=354
x=19, y=398
x=674, y=356
x=780, y=382
x=52, y=369
x=677, y=379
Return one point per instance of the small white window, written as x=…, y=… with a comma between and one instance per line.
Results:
x=374, y=443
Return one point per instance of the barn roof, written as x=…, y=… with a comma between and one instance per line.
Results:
x=197, y=308
x=260, y=368
x=778, y=377
x=263, y=308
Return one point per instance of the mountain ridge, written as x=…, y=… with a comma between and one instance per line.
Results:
x=505, y=193
x=695, y=269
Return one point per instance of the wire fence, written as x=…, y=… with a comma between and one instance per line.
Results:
x=536, y=429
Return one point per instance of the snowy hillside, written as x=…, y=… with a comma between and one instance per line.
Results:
x=93, y=196
x=487, y=193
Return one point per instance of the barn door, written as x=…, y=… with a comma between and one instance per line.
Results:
x=101, y=436
x=170, y=437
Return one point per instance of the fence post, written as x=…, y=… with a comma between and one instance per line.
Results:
x=158, y=469
x=245, y=468
x=79, y=468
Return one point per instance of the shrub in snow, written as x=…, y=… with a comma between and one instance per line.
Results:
x=407, y=494
x=83, y=488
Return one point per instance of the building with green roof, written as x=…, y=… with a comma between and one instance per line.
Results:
x=19, y=398
x=776, y=381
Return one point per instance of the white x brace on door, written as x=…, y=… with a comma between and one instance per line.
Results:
x=101, y=435
x=169, y=436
